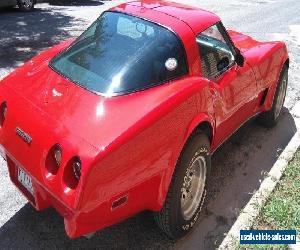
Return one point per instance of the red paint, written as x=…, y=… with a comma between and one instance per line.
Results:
x=128, y=145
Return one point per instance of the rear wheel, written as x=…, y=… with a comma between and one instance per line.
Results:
x=26, y=5
x=270, y=118
x=187, y=189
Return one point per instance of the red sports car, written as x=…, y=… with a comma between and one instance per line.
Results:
x=126, y=117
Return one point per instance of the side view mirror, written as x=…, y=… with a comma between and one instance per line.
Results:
x=239, y=58
x=223, y=64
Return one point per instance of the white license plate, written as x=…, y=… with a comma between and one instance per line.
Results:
x=25, y=180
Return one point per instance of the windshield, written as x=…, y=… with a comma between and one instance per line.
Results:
x=120, y=53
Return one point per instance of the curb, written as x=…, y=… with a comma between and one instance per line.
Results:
x=251, y=211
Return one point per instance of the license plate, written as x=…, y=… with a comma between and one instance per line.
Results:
x=25, y=180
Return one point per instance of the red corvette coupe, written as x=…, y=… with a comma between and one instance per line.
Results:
x=126, y=117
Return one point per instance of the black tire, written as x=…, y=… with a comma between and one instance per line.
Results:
x=26, y=5
x=171, y=218
x=270, y=118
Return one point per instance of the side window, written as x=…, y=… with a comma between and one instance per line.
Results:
x=216, y=55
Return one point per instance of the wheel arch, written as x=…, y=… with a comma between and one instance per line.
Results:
x=201, y=123
x=287, y=62
x=206, y=128
x=271, y=89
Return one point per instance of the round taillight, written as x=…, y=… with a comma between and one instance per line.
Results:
x=3, y=113
x=53, y=159
x=76, y=168
x=57, y=155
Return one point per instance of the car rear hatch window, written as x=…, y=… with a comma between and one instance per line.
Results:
x=120, y=53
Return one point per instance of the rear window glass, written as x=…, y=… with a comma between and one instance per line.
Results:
x=120, y=53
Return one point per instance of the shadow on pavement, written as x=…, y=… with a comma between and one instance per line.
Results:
x=238, y=167
x=76, y=2
x=26, y=34
x=28, y=229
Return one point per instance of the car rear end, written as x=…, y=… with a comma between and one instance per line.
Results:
x=42, y=155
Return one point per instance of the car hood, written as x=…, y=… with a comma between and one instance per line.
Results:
x=99, y=120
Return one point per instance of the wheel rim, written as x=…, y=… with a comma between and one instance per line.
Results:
x=281, y=96
x=193, y=187
x=26, y=3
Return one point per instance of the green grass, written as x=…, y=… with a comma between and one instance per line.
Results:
x=282, y=210
x=264, y=247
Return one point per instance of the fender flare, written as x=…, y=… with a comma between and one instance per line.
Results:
x=272, y=89
x=166, y=177
x=202, y=118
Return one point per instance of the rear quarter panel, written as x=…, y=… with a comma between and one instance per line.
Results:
x=140, y=163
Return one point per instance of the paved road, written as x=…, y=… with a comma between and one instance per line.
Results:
x=238, y=166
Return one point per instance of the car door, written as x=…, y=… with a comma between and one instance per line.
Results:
x=233, y=87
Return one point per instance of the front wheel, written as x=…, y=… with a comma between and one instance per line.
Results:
x=26, y=5
x=270, y=118
x=187, y=189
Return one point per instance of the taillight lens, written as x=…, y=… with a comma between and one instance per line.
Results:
x=3, y=113
x=77, y=168
x=53, y=159
x=72, y=172
x=57, y=155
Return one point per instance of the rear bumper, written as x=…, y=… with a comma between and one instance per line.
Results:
x=77, y=222
x=42, y=198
